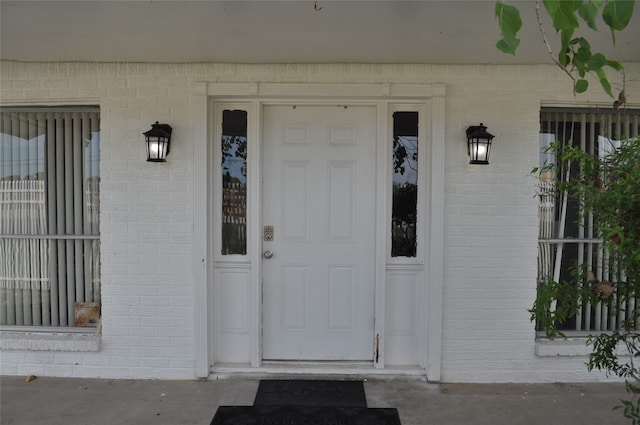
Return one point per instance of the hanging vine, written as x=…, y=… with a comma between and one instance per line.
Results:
x=575, y=56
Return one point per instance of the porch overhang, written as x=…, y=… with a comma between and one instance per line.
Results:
x=388, y=31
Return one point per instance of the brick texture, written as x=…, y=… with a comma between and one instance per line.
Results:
x=147, y=210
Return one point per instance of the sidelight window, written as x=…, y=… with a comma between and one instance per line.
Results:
x=234, y=182
x=404, y=215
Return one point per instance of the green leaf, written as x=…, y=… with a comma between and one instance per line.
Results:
x=582, y=42
x=606, y=86
x=581, y=86
x=617, y=14
x=562, y=13
x=595, y=62
x=509, y=22
x=583, y=54
x=565, y=50
x=589, y=12
x=508, y=46
x=613, y=64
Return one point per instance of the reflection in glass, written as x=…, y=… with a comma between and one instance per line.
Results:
x=234, y=182
x=405, y=184
x=49, y=210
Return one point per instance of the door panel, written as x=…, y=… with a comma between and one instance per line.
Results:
x=319, y=196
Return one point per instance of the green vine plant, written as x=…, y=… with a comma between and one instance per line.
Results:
x=609, y=188
x=575, y=56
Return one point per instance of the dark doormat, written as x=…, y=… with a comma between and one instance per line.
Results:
x=304, y=415
x=310, y=393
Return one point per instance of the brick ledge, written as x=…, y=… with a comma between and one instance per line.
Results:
x=49, y=341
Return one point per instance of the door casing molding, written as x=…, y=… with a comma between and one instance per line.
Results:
x=431, y=96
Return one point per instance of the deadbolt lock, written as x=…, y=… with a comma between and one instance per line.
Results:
x=267, y=234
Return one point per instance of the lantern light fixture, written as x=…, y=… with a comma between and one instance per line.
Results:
x=479, y=144
x=157, y=140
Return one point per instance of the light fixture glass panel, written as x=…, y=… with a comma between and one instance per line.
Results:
x=157, y=148
x=405, y=185
x=234, y=182
x=479, y=151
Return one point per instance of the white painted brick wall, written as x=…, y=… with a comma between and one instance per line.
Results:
x=147, y=210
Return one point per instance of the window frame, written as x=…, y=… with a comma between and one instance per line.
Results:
x=591, y=124
x=424, y=155
x=40, y=335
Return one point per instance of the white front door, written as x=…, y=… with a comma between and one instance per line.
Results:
x=319, y=201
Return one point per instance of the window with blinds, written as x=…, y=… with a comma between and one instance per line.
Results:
x=49, y=216
x=567, y=240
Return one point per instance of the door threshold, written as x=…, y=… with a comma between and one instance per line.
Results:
x=336, y=369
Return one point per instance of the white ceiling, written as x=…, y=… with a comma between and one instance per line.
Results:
x=276, y=31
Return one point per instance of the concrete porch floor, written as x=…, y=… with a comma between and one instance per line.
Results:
x=74, y=401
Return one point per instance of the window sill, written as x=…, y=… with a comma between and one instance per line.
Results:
x=561, y=347
x=76, y=340
x=567, y=347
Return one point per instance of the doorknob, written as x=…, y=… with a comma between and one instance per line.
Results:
x=268, y=254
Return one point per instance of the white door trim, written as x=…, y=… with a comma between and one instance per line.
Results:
x=258, y=94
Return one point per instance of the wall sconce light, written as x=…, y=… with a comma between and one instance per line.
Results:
x=479, y=144
x=158, y=139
